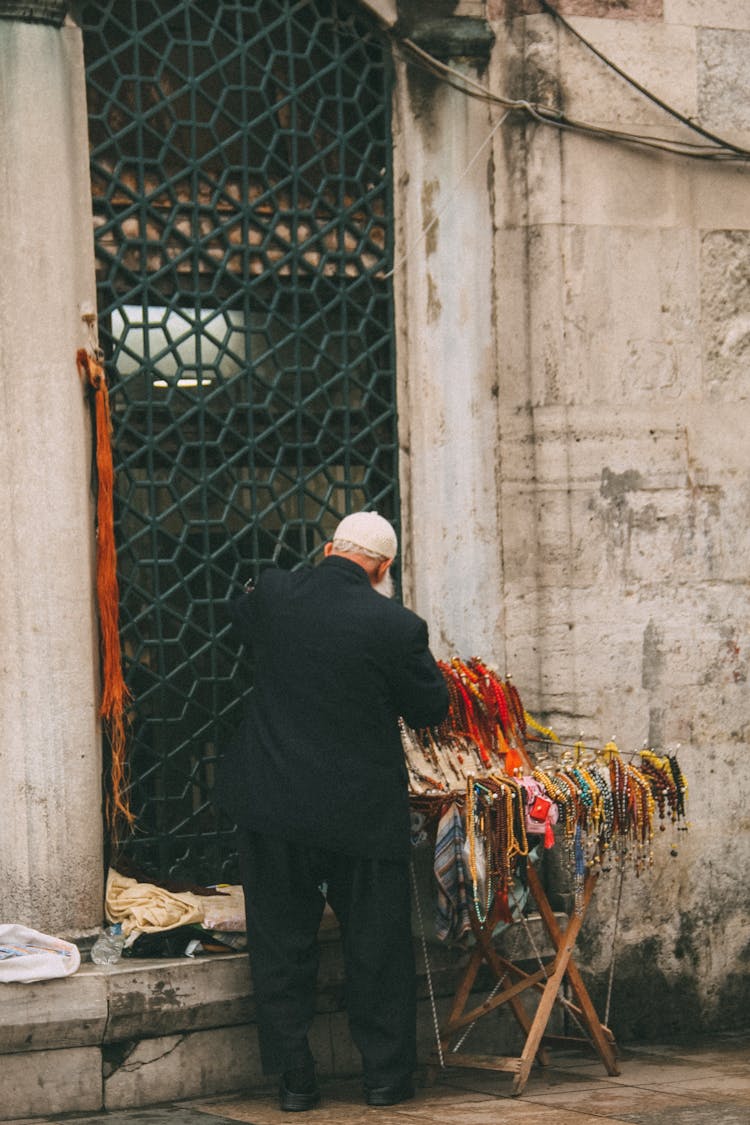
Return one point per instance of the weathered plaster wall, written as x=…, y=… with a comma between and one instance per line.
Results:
x=50, y=795
x=574, y=411
x=623, y=337
x=448, y=385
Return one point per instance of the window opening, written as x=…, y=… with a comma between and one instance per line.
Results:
x=241, y=186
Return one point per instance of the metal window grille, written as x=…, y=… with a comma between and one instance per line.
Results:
x=241, y=180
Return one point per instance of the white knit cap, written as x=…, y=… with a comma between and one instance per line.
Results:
x=370, y=531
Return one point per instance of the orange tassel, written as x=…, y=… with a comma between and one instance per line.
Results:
x=115, y=693
x=513, y=761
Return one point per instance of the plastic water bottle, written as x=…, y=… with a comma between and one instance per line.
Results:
x=107, y=949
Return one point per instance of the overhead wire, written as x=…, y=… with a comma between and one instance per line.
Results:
x=642, y=89
x=717, y=150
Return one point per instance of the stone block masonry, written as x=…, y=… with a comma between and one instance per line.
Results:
x=146, y=1031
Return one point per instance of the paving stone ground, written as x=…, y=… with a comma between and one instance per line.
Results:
x=704, y=1082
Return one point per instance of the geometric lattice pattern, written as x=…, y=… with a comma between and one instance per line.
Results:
x=241, y=179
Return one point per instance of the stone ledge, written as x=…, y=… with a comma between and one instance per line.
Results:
x=449, y=37
x=148, y=998
x=40, y=1083
x=145, y=1031
x=161, y=997
x=133, y=999
x=34, y=11
x=57, y=1013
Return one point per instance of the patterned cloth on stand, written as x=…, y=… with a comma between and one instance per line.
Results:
x=452, y=919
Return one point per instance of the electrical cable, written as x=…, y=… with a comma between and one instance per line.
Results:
x=550, y=116
x=718, y=150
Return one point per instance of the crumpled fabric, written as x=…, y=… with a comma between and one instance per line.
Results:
x=28, y=956
x=225, y=912
x=144, y=908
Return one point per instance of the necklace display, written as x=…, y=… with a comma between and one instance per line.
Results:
x=482, y=759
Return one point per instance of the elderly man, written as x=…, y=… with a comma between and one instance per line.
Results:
x=320, y=798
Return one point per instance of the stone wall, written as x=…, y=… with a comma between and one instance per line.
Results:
x=573, y=327
x=575, y=398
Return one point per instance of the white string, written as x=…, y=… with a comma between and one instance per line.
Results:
x=450, y=198
x=614, y=949
x=433, y=1005
x=519, y=907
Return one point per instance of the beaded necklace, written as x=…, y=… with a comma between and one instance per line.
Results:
x=643, y=805
x=681, y=786
x=477, y=826
x=606, y=807
x=620, y=804
x=661, y=782
x=518, y=843
x=606, y=820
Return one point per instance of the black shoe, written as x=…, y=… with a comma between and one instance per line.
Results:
x=298, y=1091
x=390, y=1095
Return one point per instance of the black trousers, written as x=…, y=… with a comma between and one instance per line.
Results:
x=372, y=902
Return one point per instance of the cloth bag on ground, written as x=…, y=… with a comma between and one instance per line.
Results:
x=27, y=956
x=145, y=908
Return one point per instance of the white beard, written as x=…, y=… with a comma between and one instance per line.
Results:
x=386, y=586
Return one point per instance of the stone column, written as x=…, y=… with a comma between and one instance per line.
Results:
x=50, y=796
x=447, y=391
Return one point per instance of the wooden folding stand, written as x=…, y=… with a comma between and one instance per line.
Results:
x=546, y=981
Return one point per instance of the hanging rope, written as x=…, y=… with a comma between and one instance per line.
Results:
x=611, y=978
x=115, y=694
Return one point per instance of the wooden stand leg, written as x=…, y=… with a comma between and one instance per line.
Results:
x=547, y=981
x=602, y=1037
x=563, y=966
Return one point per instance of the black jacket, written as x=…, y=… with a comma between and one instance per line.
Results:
x=319, y=757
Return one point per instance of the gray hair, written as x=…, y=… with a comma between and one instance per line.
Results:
x=346, y=547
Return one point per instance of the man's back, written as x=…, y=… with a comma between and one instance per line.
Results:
x=318, y=789
x=335, y=666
